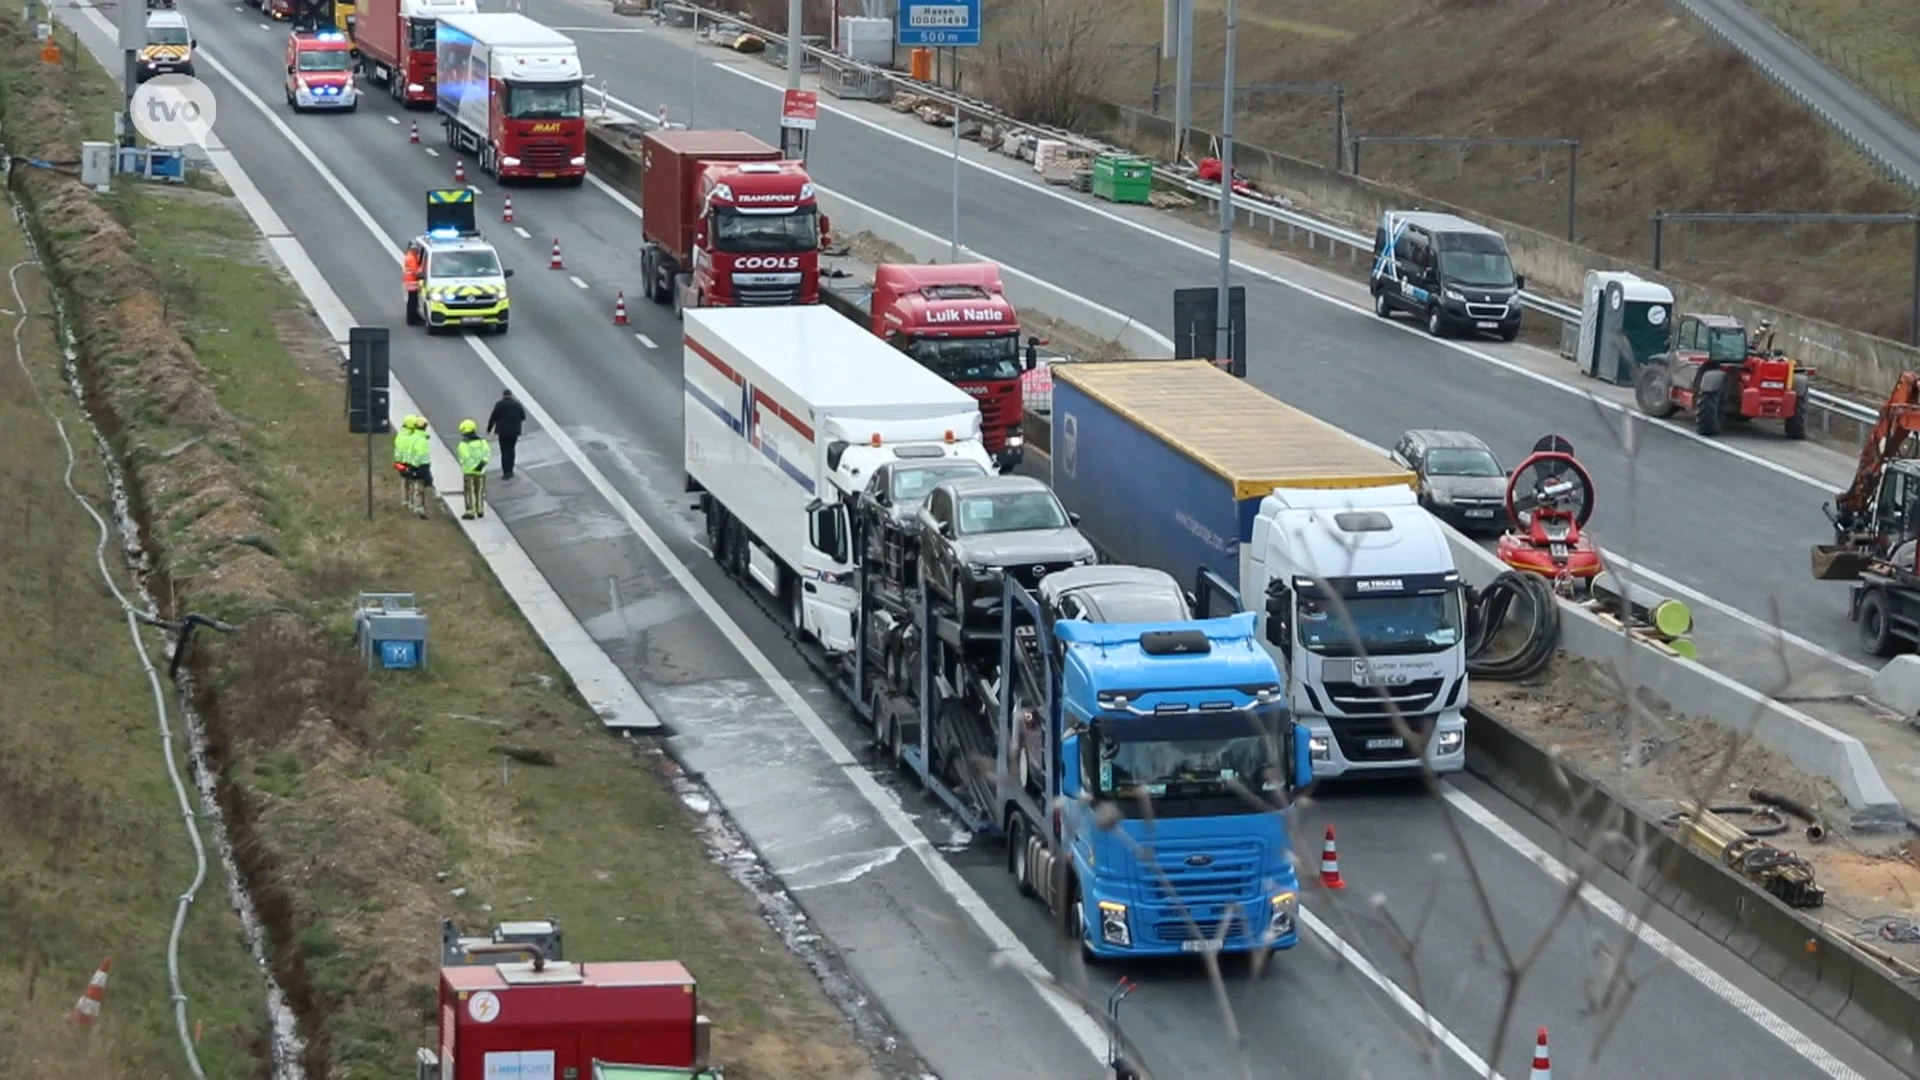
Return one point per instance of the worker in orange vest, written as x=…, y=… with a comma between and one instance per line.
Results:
x=410, y=277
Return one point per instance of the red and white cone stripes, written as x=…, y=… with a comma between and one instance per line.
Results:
x=506, y=209
x=413, y=133
x=555, y=263
x=620, y=308
x=87, y=1009
x=1330, y=864
x=1542, y=1068
x=459, y=171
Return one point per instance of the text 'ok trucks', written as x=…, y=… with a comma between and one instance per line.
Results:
x=1180, y=466
x=510, y=1005
x=511, y=91
x=955, y=319
x=817, y=468
x=396, y=43
x=727, y=222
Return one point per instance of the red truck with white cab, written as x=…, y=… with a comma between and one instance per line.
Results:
x=955, y=319
x=512, y=93
x=395, y=39
x=727, y=222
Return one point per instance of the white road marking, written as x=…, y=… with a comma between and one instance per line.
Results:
x=577, y=282
x=625, y=203
x=431, y=152
x=522, y=233
x=1710, y=980
x=647, y=341
x=391, y=119
x=1078, y=1021
x=1622, y=562
x=1505, y=365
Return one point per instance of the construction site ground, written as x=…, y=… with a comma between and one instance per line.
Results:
x=1667, y=119
x=363, y=806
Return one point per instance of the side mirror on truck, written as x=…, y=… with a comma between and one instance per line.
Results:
x=700, y=233
x=1520, y=282
x=1301, y=765
x=826, y=232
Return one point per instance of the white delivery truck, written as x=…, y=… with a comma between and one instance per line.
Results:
x=511, y=90
x=792, y=407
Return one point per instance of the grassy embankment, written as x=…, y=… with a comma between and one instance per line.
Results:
x=1667, y=119
x=364, y=807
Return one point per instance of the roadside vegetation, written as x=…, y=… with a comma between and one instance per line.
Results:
x=363, y=806
x=1869, y=41
x=1667, y=119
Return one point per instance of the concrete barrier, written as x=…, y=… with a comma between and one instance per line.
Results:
x=1686, y=687
x=1814, y=963
x=1897, y=686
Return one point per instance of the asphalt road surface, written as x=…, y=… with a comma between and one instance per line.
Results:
x=1334, y=1007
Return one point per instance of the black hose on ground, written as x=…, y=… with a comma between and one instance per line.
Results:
x=1816, y=828
x=1488, y=612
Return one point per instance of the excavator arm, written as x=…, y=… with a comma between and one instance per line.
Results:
x=1852, y=511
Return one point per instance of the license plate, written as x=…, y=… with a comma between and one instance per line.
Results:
x=1488, y=325
x=1386, y=744
x=1480, y=513
x=1205, y=945
x=548, y=175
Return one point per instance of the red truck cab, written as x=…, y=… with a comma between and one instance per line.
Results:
x=396, y=43
x=727, y=223
x=954, y=318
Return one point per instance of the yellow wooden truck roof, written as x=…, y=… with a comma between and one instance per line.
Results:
x=1250, y=438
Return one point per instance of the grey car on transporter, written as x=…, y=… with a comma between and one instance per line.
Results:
x=975, y=531
x=1460, y=481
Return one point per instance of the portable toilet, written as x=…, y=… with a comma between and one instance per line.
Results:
x=1625, y=320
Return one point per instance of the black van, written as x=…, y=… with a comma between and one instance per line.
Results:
x=1452, y=273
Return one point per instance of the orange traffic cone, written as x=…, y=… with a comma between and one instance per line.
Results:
x=413, y=133
x=459, y=171
x=620, y=308
x=1542, y=1068
x=87, y=1009
x=1330, y=864
x=506, y=209
x=555, y=263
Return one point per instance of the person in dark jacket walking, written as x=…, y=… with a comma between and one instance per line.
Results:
x=505, y=422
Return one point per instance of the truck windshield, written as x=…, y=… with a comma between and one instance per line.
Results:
x=1223, y=757
x=420, y=35
x=464, y=264
x=981, y=359
x=168, y=35
x=1013, y=511
x=1383, y=625
x=543, y=101
x=911, y=484
x=325, y=60
x=740, y=233
x=1485, y=269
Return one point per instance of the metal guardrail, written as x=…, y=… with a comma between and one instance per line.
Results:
x=1180, y=179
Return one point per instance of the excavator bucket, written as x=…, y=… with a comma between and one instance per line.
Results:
x=1837, y=562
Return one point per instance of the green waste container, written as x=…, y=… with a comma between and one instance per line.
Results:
x=1122, y=178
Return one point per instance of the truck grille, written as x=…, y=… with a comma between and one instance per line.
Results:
x=766, y=295
x=993, y=411
x=1029, y=574
x=1175, y=930
x=1353, y=699
x=1486, y=311
x=545, y=154
x=1353, y=737
x=1232, y=875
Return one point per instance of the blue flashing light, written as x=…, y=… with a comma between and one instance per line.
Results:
x=329, y=35
x=444, y=234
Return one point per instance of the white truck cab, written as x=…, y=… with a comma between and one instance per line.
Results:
x=1374, y=555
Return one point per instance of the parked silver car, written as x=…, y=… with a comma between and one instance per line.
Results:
x=1461, y=482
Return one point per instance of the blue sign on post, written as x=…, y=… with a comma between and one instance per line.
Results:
x=399, y=655
x=941, y=24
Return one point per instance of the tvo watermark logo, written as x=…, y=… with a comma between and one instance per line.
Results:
x=174, y=110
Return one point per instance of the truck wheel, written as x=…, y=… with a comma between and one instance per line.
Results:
x=1652, y=391
x=1876, y=630
x=1017, y=856
x=1706, y=413
x=1797, y=423
x=716, y=528
x=1436, y=326
x=797, y=606
x=1381, y=306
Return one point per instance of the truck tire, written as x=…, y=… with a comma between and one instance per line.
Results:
x=1876, y=630
x=1653, y=391
x=716, y=527
x=1797, y=422
x=797, y=605
x=1017, y=855
x=1381, y=305
x=1436, y=325
x=1706, y=413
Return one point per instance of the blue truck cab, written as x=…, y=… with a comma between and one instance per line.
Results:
x=1181, y=759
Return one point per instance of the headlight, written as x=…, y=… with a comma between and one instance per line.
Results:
x=1280, y=924
x=510, y=162
x=579, y=161
x=1451, y=741
x=1088, y=561
x=1453, y=294
x=1441, y=498
x=1113, y=924
x=978, y=568
x=1016, y=441
x=1317, y=748
x=415, y=88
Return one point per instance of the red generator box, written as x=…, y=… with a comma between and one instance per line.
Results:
x=553, y=1020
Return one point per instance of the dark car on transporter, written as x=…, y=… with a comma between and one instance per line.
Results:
x=1460, y=481
x=973, y=532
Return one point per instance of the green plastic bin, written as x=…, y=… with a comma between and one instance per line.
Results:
x=1122, y=178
